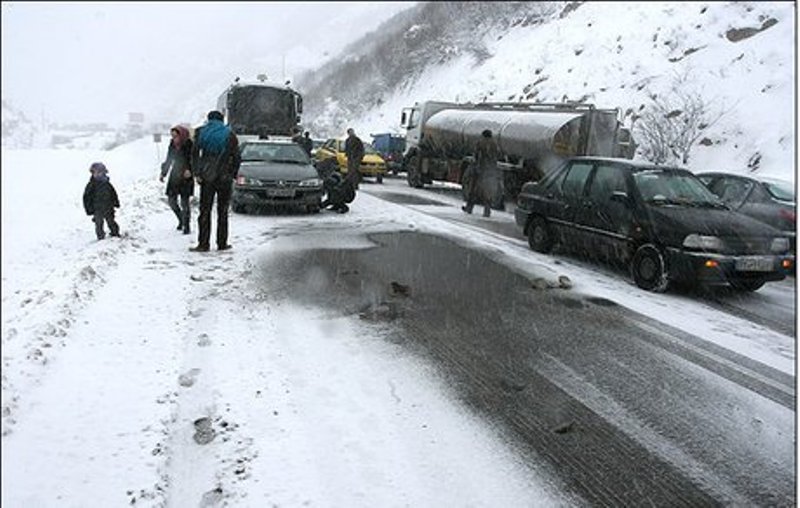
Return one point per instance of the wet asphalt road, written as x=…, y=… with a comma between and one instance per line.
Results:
x=625, y=411
x=767, y=307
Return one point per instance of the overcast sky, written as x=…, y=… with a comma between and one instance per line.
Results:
x=98, y=61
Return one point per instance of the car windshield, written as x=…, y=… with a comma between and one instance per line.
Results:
x=274, y=152
x=780, y=190
x=672, y=187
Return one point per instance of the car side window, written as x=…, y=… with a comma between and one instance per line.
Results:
x=575, y=181
x=606, y=181
x=759, y=195
x=731, y=190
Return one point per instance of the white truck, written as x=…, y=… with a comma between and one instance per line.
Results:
x=532, y=138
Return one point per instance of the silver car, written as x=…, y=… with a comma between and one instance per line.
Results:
x=276, y=173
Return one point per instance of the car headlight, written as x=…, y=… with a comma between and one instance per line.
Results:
x=311, y=182
x=779, y=245
x=246, y=180
x=702, y=242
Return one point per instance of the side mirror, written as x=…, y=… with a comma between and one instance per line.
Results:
x=621, y=197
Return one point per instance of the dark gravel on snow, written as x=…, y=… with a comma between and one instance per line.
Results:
x=623, y=415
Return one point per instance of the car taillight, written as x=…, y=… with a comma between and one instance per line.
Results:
x=240, y=180
x=787, y=214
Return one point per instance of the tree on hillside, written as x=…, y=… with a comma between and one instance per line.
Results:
x=673, y=122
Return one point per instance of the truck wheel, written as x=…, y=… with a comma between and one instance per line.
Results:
x=413, y=175
x=649, y=269
x=540, y=238
x=379, y=178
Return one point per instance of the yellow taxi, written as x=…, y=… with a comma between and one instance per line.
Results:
x=371, y=165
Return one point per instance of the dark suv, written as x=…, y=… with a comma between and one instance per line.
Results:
x=661, y=221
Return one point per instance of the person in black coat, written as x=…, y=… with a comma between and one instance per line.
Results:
x=99, y=200
x=338, y=191
x=306, y=143
x=180, y=181
x=354, y=151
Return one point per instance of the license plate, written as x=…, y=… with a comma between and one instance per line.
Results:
x=280, y=193
x=754, y=265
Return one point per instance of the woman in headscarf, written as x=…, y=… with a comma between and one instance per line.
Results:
x=180, y=181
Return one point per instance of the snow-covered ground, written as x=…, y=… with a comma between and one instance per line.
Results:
x=113, y=350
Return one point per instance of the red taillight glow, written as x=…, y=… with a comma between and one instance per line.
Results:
x=787, y=264
x=712, y=263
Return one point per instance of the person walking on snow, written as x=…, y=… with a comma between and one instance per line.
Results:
x=482, y=176
x=215, y=161
x=99, y=200
x=180, y=181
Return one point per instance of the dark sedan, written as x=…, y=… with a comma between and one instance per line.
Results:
x=768, y=200
x=276, y=173
x=660, y=221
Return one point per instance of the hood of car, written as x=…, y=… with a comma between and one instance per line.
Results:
x=678, y=221
x=371, y=158
x=277, y=170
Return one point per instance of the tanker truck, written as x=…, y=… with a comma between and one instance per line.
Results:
x=532, y=138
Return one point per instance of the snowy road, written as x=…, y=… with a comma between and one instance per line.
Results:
x=283, y=372
x=574, y=381
x=773, y=306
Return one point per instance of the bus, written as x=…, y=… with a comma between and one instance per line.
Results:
x=261, y=109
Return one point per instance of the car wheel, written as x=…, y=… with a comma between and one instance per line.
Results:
x=747, y=285
x=649, y=269
x=539, y=237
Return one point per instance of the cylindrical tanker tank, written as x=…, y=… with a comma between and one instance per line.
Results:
x=522, y=134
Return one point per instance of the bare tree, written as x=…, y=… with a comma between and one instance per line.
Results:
x=671, y=124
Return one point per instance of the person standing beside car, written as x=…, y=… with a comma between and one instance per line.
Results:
x=180, y=181
x=306, y=143
x=354, y=151
x=216, y=160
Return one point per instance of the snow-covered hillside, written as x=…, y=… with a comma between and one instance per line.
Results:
x=737, y=56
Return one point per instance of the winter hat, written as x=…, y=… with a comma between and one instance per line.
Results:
x=216, y=115
x=98, y=167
